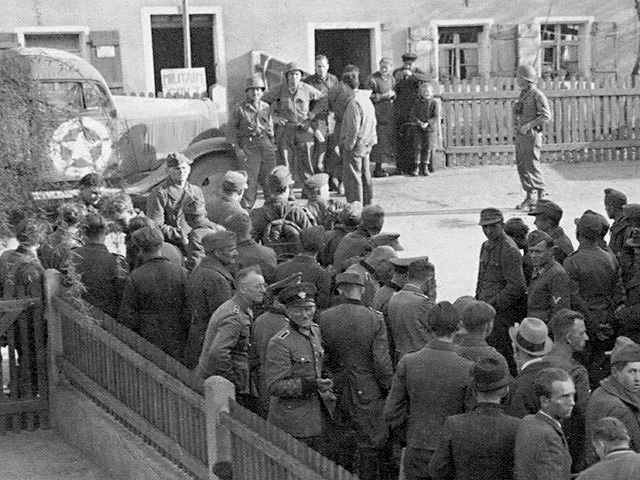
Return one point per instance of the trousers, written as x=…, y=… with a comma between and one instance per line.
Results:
x=261, y=159
x=528, y=160
x=295, y=151
x=356, y=174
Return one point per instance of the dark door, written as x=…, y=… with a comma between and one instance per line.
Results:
x=166, y=39
x=344, y=47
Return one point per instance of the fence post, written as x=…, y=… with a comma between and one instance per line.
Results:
x=54, y=327
x=217, y=392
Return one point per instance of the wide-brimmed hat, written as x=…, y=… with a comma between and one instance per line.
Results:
x=532, y=336
x=490, y=373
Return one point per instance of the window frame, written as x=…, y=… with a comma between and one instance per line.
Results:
x=583, y=42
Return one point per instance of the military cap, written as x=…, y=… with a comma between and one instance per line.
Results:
x=409, y=56
x=387, y=239
x=589, y=225
x=419, y=267
x=614, y=197
x=91, y=180
x=604, y=223
x=298, y=293
x=379, y=255
x=401, y=265
x=148, y=238
x=621, y=341
x=312, y=238
x=371, y=214
x=255, y=81
x=293, y=67
x=490, y=373
x=236, y=179
x=538, y=236
x=219, y=240
x=193, y=206
x=546, y=207
x=443, y=316
x=176, y=159
x=490, y=215
x=632, y=211
x=626, y=353
x=351, y=278
x=477, y=313
x=528, y=73
x=634, y=239
x=280, y=177
x=280, y=285
x=532, y=336
x=515, y=226
x=316, y=182
x=351, y=213
x=462, y=302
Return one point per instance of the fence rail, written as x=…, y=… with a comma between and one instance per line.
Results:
x=151, y=401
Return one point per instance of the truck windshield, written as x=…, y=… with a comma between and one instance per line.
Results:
x=75, y=96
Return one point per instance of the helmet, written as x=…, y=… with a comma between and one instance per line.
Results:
x=254, y=82
x=292, y=67
x=527, y=72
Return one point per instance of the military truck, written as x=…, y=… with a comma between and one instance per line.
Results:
x=123, y=138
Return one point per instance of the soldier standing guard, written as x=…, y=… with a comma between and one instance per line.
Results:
x=382, y=84
x=530, y=112
x=250, y=133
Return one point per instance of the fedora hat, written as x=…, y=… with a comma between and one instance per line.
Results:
x=491, y=373
x=532, y=336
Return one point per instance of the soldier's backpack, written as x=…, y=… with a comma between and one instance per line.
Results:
x=282, y=235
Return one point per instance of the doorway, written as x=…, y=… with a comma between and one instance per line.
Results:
x=167, y=45
x=343, y=47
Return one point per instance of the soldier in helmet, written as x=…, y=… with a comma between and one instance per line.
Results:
x=250, y=131
x=530, y=112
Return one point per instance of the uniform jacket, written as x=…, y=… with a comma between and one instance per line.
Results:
x=522, y=399
x=294, y=362
x=621, y=464
x=534, y=109
x=371, y=283
x=477, y=445
x=596, y=286
x=629, y=315
x=548, y=291
x=380, y=87
x=353, y=244
x=226, y=344
x=323, y=85
x=164, y=207
x=222, y=207
x=562, y=245
x=358, y=129
x=312, y=273
x=210, y=285
x=610, y=399
x=618, y=234
x=500, y=278
x=275, y=208
x=249, y=120
x=251, y=253
x=195, y=250
x=103, y=275
x=541, y=451
x=154, y=305
x=475, y=347
x=382, y=296
x=357, y=358
x=407, y=318
x=338, y=98
x=429, y=385
x=294, y=105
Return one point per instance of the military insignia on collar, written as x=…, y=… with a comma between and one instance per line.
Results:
x=302, y=295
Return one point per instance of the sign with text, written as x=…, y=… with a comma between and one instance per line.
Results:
x=181, y=81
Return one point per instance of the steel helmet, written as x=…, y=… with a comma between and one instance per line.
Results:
x=254, y=82
x=528, y=73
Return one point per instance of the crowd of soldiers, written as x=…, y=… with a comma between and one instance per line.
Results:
x=328, y=334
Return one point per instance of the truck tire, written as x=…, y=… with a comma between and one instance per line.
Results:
x=207, y=172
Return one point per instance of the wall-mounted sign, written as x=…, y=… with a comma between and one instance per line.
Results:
x=180, y=81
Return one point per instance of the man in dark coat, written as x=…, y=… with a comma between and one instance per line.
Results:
x=348, y=220
x=358, y=243
x=210, y=285
x=357, y=359
x=547, y=219
x=500, y=280
x=154, y=302
x=541, y=451
x=227, y=203
x=479, y=445
x=196, y=217
x=406, y=88
x=250, y=252
x=477, y=320
x=429, y=385
x=617, y=396
x=614, y=200
x=103, y=274
x=628, y=316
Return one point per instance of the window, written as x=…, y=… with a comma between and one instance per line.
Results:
x=69, y=42
x=560, y=44
x=459, y=52
x=74, y=96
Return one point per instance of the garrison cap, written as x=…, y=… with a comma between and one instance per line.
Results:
x=280, y=177
x=193, y=206
x=634, y=239
x=409, y=56
x=91, y=180
x=387, y=239
x=236, y=179
x=317, y=181
x=176, y=159
x=350, y=278
x=218, y=240
x=548, y=208
x=490, y=373
x=490, y=215
x=589, y=225
x=632, y=211
x=401, y=265
x=614, y=197
x=538, y=236
x=298, y=293
x=626, y=353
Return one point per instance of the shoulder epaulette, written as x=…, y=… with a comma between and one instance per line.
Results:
x=284, y=334
x=236, y=309
x=375, y=311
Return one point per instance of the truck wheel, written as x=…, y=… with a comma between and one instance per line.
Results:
x=208, y=172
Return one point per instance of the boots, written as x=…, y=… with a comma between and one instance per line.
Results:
x=527, y=203
x=424, y=171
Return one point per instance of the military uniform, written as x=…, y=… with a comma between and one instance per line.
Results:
x=618, y=234
x=354, y=244
x=562, y=245
x=250, y=128
x=381, y=298
x=164, y=207
x=275, y=208
x=332, y=241
x=408, y=310
x=210, y=285
x=312, y=273
x=357, y=358
x=371, y=283
x=226, y=345
x=195, y=250
x=222, y=207
x=548, y=292
x=338, y=98
x=294, y=362
x=251, y=253
x=320, y=123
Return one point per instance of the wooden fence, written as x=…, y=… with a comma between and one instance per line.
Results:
x=594, y=121
x=263, y=452
x=23, y=386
